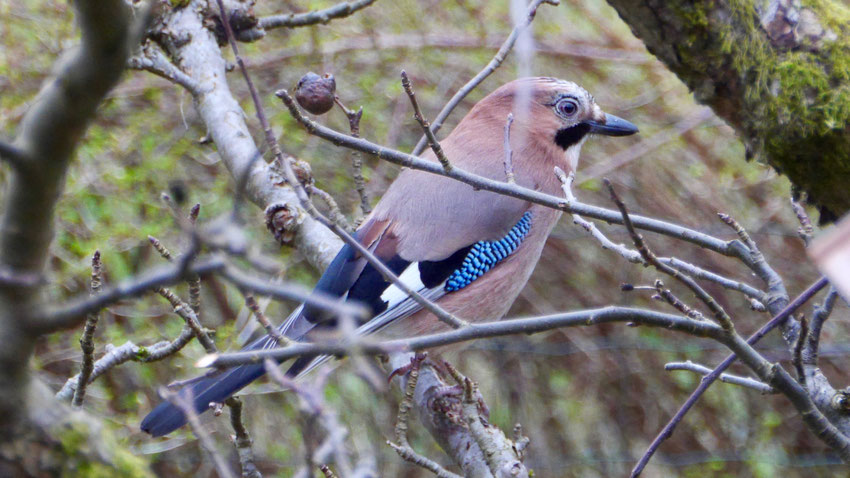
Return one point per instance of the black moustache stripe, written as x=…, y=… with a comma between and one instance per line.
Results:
x=567, y=137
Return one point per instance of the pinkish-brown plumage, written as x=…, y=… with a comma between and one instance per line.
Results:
x=426, y=224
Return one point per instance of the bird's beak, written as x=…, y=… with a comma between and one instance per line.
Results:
x=613, y=126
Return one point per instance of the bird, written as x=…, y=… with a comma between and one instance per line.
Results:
x=470, y=251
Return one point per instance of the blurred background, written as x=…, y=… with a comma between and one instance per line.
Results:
x=591, y=399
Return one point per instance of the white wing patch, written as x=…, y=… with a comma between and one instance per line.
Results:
x=411, y=277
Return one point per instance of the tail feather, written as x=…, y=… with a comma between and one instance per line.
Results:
x=167, y=417
x=216, y=388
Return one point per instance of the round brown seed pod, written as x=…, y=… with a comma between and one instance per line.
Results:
x=316, y=93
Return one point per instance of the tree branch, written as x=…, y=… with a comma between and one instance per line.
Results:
x=473, y=332
x=752, y=62
x=724, y=377
x=292, y=20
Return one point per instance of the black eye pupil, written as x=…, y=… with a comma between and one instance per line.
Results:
x=568, y=107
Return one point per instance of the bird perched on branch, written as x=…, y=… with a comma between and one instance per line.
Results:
x=470, y=251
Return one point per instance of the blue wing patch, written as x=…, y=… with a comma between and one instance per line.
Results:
x=486, y=254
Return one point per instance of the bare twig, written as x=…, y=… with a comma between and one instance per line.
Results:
x=72, y=313
x=477, y=331
x=426, y=127
x=797, y=352
x=195, y=281
x=724, y=377
x=87, y=340
x=806, y=229
x=254, y=307
x=333, y=208
x=116, y=356
x=484, y=73
x=668, y=296
x=499, y=452
x=160, y=248
x=184, y=403
x=776, y=296
x=509, y=154
x=650, y=257
x=242, y=440
x=707, y=380
x=291, y=20
x=154, y=60
x=356, y=156
x=186, y=313
x=820, y=315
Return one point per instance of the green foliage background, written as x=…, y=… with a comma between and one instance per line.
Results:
x=590, y=399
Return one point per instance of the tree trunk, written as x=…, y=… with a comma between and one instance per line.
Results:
x=778, y=71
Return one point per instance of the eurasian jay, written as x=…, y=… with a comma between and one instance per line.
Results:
x=470, y=251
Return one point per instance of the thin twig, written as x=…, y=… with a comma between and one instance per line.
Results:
x=480, y=330
x=195, y=281
x=776, y=296
x=797, y=353
x=333, y=208
x=426, y=127
x=71, y=313
x=509, y=154
x=668, y=296
x=87, y=340
x=187, y=314
x=160, y=248
x=184, y=402
x=254, y=307
x=724, y=377
x=154, y=61
x=291, y=20
x=650, y=257
x=806, y=229
x=242, y=440
x=484, y=73
x=820, y=315
x=707, y=380
x=356, y=156
x=116, y=356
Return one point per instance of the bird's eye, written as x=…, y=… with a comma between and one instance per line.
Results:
x=567, y=107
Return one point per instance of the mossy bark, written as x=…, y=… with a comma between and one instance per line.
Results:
x=777, y=70
x=56, y=441
x=38, y=435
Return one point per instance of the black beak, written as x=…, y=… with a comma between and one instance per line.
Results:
x=613, y=126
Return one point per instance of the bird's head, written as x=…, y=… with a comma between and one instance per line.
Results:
x=551, y=113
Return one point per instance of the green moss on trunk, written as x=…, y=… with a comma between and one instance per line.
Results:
x=782, y=85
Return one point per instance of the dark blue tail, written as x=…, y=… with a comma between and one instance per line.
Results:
x=337, y=279
x=167, y=417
